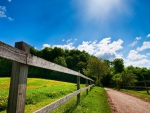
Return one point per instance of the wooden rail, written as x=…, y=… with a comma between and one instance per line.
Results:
x=140, y=87
x=21, y=59
x=49, y=108
x=20, y=56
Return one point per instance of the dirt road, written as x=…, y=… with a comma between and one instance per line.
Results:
x=123, y=103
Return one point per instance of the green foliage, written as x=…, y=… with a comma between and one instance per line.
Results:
x=118, y=65
x=5, y=67
x=118, y=80
x=94, y=102
x=96, y=68
x=128, y=77
x=61, y=61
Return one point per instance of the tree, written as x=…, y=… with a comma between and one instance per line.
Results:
x=117, y=78
x=118, y=65
x=128, y=77
x=61, y=61
x=96, y=68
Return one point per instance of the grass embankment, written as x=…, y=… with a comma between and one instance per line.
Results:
x=140, y=94
x=41, y=92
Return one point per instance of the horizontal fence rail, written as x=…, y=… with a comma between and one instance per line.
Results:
x=49, y=108
x=21, y=59
x=20, y=56
x=138, y=87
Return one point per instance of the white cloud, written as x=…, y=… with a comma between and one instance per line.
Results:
x=88, y=46
x=146, y=45
x=69, y=40
x=2, y=12
x=103, y=49
x=63, y=40
x=135, y=42
x=148, y=36
x=9, y=18
x=9, y=0
x=134, y=55
x=138, y=38
x=68, y=46
x=45, y=45
x=138, y=63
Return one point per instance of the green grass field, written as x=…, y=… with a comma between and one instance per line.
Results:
x=140, y=94
x=41, y=92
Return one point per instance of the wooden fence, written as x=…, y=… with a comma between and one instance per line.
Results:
x=21, y=57
x=134, y=86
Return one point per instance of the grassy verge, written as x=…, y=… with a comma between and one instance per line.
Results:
x=41, y=92
x=140, y=94
x=94, y=102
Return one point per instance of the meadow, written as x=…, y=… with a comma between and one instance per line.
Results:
x=41, y=92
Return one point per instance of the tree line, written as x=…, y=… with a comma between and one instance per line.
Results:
x=104, y=72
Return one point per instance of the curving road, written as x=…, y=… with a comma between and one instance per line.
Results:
x=123, y=103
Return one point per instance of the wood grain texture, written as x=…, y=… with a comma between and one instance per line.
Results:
x=49, y=108
x=12, y=53
x=39, y=62
x=20, y=56
x=17, y=92
x=87, y=86
x=78, y=87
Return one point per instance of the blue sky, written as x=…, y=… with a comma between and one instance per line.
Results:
x=105, y=28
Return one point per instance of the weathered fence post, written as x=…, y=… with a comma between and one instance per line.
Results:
x=78, y=87
x=90, y=84
x=146, y=87
x=87, y=86
x=17, y=91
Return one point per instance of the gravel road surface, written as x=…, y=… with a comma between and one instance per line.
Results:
x=124, y=103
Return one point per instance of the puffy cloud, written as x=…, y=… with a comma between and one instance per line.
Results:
x=9, y=0
x=148, y=36
x=88, y=46
x=134, y=55
x=2, y=12
x=138, y=63
x=103, y=49
x=45, y=45
x=135, y=42
x=68, y=46
x=146, y=45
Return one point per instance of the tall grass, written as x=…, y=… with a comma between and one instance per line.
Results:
x=41, y=92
